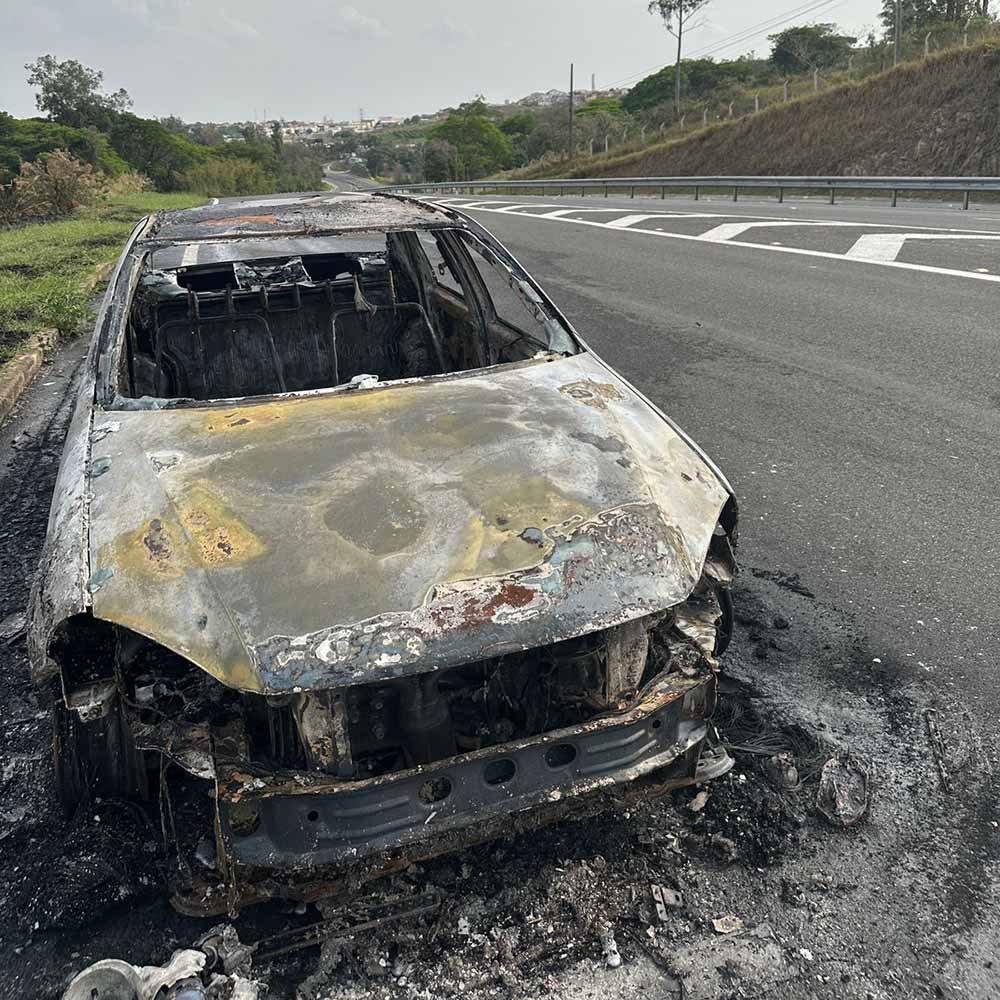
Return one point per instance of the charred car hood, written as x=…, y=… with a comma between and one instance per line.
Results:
x=345, y=537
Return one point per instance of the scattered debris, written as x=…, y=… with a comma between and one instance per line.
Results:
x=782, y=771
x=13, y=626
x=842, y=797
x=191, y=974
x=610, y=947
x=726, y=846
x=698, y=802
x=347, y=921
x=727, y=925
x=111, y=979
x=665, y=899
x=937, y=748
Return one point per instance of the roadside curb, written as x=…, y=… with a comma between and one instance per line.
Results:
x=18, y=373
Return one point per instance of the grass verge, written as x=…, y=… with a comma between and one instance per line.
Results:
x=43, y=265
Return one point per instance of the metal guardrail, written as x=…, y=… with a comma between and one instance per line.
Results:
x=967, y=186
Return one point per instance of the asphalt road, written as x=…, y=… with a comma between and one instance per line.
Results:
x=338, y=180
x=854, y=405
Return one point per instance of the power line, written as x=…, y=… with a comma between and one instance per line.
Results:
x=775, y=20
x=746, y=34
x=824, y=6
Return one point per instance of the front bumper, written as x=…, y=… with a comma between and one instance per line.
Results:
x=276, y=829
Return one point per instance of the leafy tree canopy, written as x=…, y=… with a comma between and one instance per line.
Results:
x=28, y=139
x=601, y=106
x=481, y=148
x=920, y=14
x=808, y=47
x=71, y=93
x=519, y=123
x=675, y=12
x=699, y=77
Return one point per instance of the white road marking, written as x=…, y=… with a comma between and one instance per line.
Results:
x=190, y=256
x=633, y=220
x=881, y=247
x=763, y=247
x=457, y=203
x=558, y=213
x=730, y=230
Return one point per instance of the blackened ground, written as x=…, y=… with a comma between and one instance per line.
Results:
x=899, y=906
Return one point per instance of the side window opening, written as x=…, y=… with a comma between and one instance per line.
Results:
x=423, y=303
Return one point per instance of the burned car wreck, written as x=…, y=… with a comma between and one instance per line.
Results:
x=358, y=554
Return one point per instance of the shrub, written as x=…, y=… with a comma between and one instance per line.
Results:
x=131, y=182
x=25, y=140
x=10, y=204
x=55, y=185
x=225, y=178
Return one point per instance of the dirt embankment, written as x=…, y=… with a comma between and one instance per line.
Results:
x=936, y=117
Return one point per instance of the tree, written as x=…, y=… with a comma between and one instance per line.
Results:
x=677, y=15
x=699, y=77
x=809, y=47
x=520, y=123
x=70, y=93
x=440, y=161
x=149, y=148
x=517, y=127
x=25, y=140
x=923, y=14
x=174, y=124
x=277, y=138
x=481, y=147
x=601, y=106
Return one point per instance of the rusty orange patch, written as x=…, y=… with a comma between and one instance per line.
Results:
x=595, y=394
x=237, y=220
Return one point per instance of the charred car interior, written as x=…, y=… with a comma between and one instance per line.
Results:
x=358, y=554
x=409, y=308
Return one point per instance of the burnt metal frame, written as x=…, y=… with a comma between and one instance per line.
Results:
x=323, y=822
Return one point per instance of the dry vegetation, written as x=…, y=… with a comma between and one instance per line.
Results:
x=937, y=116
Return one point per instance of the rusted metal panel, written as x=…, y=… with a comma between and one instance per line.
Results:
x=326, y=213
x=59, y=589
x=346, y=536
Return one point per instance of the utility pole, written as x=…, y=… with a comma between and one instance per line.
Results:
x=571, y=101
x=899, y=33
x=677, y=76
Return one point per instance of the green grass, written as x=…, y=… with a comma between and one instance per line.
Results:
x=43, y=265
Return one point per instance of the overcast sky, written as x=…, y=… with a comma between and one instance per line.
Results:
x=232, y=60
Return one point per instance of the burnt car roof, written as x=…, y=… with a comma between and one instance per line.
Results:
x=297, y=215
